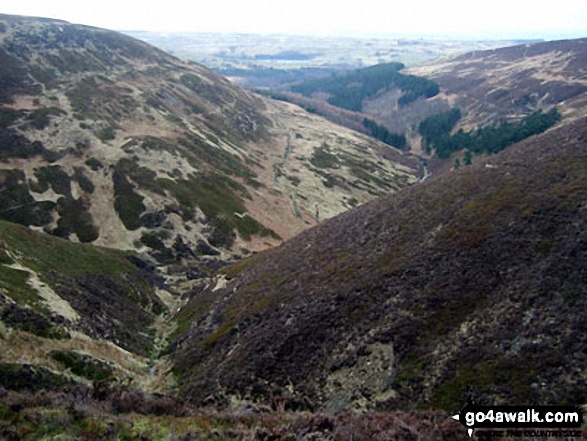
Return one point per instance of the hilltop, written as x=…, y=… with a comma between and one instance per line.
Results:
x=505, y=85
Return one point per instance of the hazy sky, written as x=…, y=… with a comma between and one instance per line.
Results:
x=456, y=18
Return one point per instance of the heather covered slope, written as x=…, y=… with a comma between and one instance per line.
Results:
x=471, y=282
x=501, y=85
x=107, y=140
x=511, y=82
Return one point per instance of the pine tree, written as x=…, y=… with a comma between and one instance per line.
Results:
x=468, y=157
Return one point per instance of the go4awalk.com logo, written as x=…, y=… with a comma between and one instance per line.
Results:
x=530, y=421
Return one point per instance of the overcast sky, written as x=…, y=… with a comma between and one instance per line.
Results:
x=453, y=18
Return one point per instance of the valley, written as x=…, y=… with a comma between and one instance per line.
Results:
x=343, y=256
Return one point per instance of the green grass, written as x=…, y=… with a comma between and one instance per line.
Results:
x=191, y=312
x=5, y=413
x=215, y=193
x=410, y=370
x=199, y=152
x=237, y=268
x=5, y=258
x=77, y=271
x=15, y=283
x=482, y=377
x=212, y=339
x=83, y=365
x=44, y=253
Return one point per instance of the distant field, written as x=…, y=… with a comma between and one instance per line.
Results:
x=228, y=53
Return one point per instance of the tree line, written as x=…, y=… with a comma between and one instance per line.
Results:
x=348, y=90
x=435, y=131
x=382, y=134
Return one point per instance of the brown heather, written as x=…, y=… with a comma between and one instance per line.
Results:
x=471, y=283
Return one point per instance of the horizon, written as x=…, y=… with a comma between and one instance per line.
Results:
x=455, y=19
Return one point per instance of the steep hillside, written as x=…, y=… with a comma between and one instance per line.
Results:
x=106, y=140
x=508, y=83
x=73, y=313
x=469, y=283
x=502, y=85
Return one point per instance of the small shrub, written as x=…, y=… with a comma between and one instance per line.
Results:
x=94, y=164
x=8, y=116
x=190, y=81
x=25, y=377
x=323, y=158
x=52, y=176
x=18, y=204
x=75, y=218
x=40, y=118
x=105, y=134
x=83, y=365
x=128, y=204
x=33, y=322
x=84, y=182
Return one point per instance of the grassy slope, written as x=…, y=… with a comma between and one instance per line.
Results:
x=64, y=294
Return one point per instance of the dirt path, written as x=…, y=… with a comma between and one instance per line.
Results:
x=278, y=172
